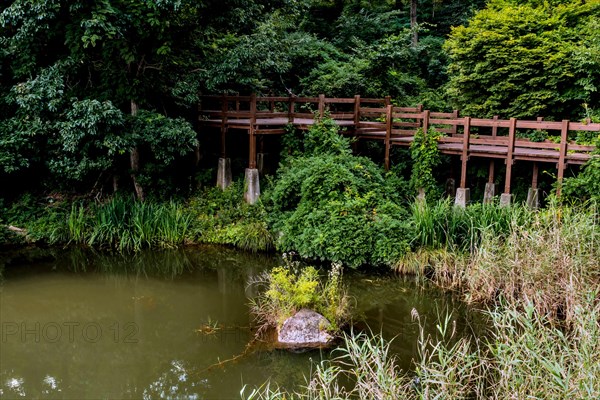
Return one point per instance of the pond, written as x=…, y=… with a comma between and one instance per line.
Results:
x=85, y=325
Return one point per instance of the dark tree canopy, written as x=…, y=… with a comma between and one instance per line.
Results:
x=73, y=72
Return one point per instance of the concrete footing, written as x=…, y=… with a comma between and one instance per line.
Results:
x=421, y=195
x=251, y=186
x=224, y=178
x=533, y=198
x=260, y=163
x=505, y=199
x=490, y=192
x=450, y=187
x=463, y=197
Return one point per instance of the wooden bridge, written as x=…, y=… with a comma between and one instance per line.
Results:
x=377, y=119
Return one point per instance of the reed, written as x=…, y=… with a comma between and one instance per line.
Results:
x=549, y=261
x=531, y=357
x=525, y=356
x=76, y=224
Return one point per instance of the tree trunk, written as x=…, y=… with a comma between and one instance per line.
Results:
x=413, y=22
x=134, y=159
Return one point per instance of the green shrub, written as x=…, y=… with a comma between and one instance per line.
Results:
x=330, y=205
x=223, y=217
x=584, y=186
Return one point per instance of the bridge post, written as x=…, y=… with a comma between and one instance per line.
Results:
x=252, y=134
x=533, y=194
x=463, y=194
x=506, y=197
x=489, y=192
x=389, y=116
x=251, y=186
x=224, y=176
x=562, y=154
x=321, y=105
x=356, y=120
x=251, y=181
x=426, y=115
x=261, y=156
x=491, y=188
x=454, y=126
x=356, y=110
x=291, y=109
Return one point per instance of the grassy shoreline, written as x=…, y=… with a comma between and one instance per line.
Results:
x=536, y=272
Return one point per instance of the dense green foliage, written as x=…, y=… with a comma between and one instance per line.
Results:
x=586, y=185
x=97, y=97
x=524, y=59
x=425, y=156
x=327, y=204
x=222, y=217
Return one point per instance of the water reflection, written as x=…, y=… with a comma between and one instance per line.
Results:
x=83, y=324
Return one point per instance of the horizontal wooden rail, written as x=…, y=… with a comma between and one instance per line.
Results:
x=378, y=119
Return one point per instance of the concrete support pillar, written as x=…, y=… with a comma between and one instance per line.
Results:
x=463, y=197
x=224, y=178
x=450, y=187
x=421, y=195
x=260, y=163
x=533, y=198
x=505, y=199
x=490, y=191
x=533, y=195
x=251, y=186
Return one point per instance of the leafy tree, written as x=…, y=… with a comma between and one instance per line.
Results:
x=523, y=59
x=74, y=70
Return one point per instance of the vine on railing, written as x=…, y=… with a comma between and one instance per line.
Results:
x=425, y=156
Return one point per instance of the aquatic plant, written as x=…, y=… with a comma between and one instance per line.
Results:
x=291, y=287
x=548, y=261
x=546, y=256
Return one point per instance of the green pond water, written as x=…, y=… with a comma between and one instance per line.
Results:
x=85, y=325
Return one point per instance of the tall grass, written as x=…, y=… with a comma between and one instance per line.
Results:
x=126, y=224
x=549, y=261
x=525, y=357
x=441, y=224
x=546, y=257
x=123, y=224
x=530, y=357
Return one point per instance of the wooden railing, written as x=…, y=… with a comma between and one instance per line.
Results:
x=378, y=119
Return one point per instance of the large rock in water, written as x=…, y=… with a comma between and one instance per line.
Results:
x=306, y=329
